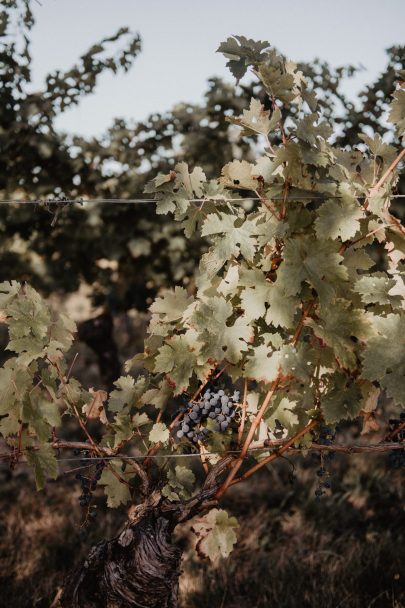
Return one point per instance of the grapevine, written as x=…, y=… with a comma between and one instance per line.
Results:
x=287, y=304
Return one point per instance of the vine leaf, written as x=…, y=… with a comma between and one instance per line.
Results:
x=45, y=464
x=157, y=396
x=317, y=263
x=191, y=182
x=242, y=52
x=239, y=174
x=283, y=412
x=116, y=491
x=342, y=401
x=337, y=325
x=9, y=425
x=397, y=113
x=172, y=304
x=375, y=290
x=180, y=483
x=220, y=340
x=384, y=356
x=8, y=290
x=256, y=119
x=263, y=364
x=159, y=433
x=216, y=534
x=236, y=238
x=309, y=131
x=177, y=360
x=95, y=408
x=338, y=219
x=127, y=393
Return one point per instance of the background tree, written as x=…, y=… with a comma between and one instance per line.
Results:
x=123, y=251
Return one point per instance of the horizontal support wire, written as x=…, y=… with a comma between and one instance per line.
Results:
x=351, y=449
x=147, y=201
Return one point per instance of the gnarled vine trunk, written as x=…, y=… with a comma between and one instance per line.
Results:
x=140, y=567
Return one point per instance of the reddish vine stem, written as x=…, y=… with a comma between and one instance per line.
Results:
x=243, y=418
x=285, y=197
x=238, y=463
x=396, y=223
x=387, y=173
x=278, y=453
x=300, y=326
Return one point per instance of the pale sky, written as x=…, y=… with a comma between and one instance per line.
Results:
x=180, y=38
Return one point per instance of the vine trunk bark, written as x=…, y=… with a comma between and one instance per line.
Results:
x=140, y=568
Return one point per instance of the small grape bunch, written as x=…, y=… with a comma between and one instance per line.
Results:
x=326, y=437
x=89, y=484
x=217, y=406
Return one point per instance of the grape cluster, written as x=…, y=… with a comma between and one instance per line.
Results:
x=326, y=437
x=88, y=482
x=396, y=458
x=216, y=405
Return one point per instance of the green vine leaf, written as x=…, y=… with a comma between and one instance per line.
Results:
x=338, y=219
x=116, y=491
x=242, y=52
x=397, y=113
x=180, y=484
x=384, y=356
x=172, y=304
x=44, y=463
x=127, y=394
x=177, y=360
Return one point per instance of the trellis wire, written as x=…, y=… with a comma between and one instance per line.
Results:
x=378, y=447
x=147, y=201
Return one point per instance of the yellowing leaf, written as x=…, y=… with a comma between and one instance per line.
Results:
x=95, y=408
x=216, y=534
x=159, y=433
x=263, y=364
x=256, y=119
x=238, y=174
